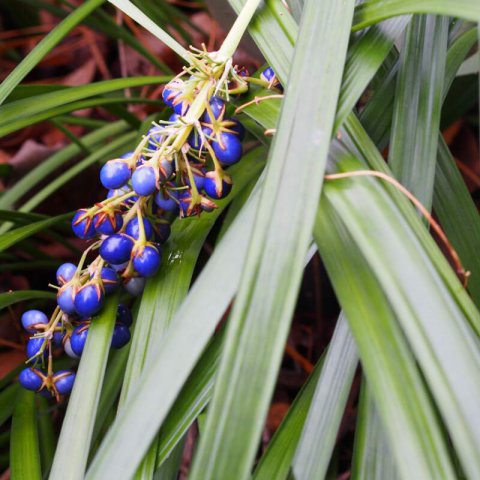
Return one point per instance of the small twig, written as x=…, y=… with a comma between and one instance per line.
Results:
x=432, y=222
x=256, y=101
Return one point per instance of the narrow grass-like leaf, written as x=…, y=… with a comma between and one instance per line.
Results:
x=34, y=176
x=47, y=44
x=9, y=298
x=372, y=459
x=374, y=11
x=24, y=453
x=277, y=459
x=26, y=107
x=261, y=316
x=319, y=434
x=386, y=358
x=7, y=402
x=134, y=12
x=14, y=236
x=74, y=442
x=416, y=120
x=46, y=435
x=403, y=265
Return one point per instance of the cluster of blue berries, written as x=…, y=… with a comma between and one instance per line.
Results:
x=177, y=170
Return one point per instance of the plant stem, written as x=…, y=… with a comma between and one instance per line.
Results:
x=235, y=34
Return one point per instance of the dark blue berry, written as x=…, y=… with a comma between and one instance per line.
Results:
x=106, y=224
x=65, y=299
x=144, y=181
x=64, y=380
x=198, y=178
x=127, y=155
x=30, y=379
x=34, y=345
x=217, y=105
x=83, y=227
x=171, y=91
x=31, y=318
x=109, y=279
x=114, y=174
x=165, y=170
x=185, y=200
x=121, y=335
x=180, y=107
x=174, y=117
x=147, y=261
x=58, y=338
x=133, y=228
x=135, y=286
x=89, y=299
x=165, y=199
x=211, y=188
x=116, y=248
x=65, y=273
x=124, y=315
x=227, y=148
x=78, y=340
x=67, y=346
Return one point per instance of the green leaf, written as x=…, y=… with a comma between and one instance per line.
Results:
x=277, y=459
x=7, y=402
x=74, y=442
x=372, y=458
x=319, y=434
x=26, y=108
x=46, y=435
x=9, y=298
x=416, y=116
x=24, y=453
x=409, y=269
x=48, y=43
x=390, y=368
x=14, y=236
x=374, y=11
x=260, y=319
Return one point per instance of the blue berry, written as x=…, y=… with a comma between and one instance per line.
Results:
x=198, y=178
x=119, y=267
x=114, y=192
x=156, y=137
x=165, y=199
x=211, y=188
x=30, y=379
x=58, y=338
x=144, y=180
x=114, y=174
x=89, y=299
x=166, y=169
x=180, y=107
x=174, y=117
x=109, y=279
x=116, y=248
x=195, y=140
x=65, y=299
x=124, y=315
x=133, y=228
x=127, y=155
x=121, y=335
x=171, y=91
x=64, y=380
x=65, y=273
x=106, y=224
x=147, y=261
x=78, y=340
x=34, y=345
x=31, y=318
x=185, y=200
x=217, y=105
x=268, y=74
x=227, y=148
x=135, y=286
x=83, y=228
